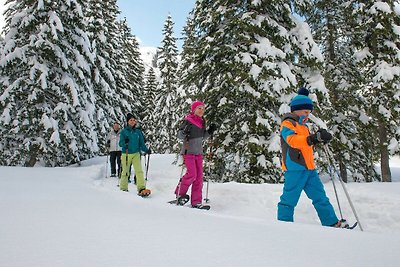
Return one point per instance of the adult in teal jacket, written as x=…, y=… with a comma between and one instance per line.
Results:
x=132, y=141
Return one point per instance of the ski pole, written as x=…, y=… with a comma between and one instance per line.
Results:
x=108, y=152
x=147, y=163
x=331, y=159
x=180, y=179
x=206, y=199
x=332, y=176
x=334, y=188
x=183, y=164
x=126, y=162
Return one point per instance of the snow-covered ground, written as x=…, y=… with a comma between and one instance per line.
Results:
x=74, y=216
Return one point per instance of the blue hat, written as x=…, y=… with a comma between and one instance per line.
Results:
x=301, y=101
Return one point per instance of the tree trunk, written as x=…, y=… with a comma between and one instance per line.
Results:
x=369, y=174
x=32, y=156
x=372, y=169
x=383, y=143
x=343, y=171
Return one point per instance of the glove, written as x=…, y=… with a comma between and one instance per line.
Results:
x=321, y=136
x=325, y=136
x=211, y=128
x=108, y=142
x=149, y=151
x=126, y=140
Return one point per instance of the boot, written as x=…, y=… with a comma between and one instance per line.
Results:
x=144, y=192
x=182, y=200
x=341, y=224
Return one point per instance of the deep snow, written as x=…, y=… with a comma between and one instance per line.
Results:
x=75, y=216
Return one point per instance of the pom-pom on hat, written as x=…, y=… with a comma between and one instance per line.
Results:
x=301, y=101
x=196, y=104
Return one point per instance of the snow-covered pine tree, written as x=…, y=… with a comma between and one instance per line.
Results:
x=150, y=94
x=165, y=114
x=118, y=61
x=47, y=105
x=186, y=91
x=187, y=88
x=1, y=43
x=329, y=20
x=378, y=43
x=133, y=69
x=104, y=85
x=247, y=59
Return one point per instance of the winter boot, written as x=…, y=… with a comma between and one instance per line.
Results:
x=144, y=192
x=201, y=206
x=341, y=224
x=182, y=200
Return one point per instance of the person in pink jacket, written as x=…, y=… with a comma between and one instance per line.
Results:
x=193, y=132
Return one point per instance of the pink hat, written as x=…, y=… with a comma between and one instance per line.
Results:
x=196, y=104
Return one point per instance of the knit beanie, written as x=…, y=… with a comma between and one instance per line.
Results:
x=301, y=101
x=196, y=104
x=129, y=116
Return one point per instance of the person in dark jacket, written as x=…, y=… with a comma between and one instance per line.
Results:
x=132, y=143
x=193, y=132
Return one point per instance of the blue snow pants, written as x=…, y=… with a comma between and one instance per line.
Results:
x=309, y=181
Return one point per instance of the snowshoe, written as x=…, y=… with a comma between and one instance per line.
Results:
x=201, y=206
x=352, y=226
x=144, y=192
x=344, y=224
x=180, y=200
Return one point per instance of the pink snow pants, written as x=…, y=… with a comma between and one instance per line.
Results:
x=193, y=177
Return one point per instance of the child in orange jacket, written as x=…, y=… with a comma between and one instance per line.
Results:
x=298, y=163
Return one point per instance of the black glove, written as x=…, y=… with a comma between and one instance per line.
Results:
x=108, y=142
x=325, y=136
x=149, y=151
x=212, y=128
x=126, y=140
x=321, y=136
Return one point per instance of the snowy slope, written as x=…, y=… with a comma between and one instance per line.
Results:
x=75, y=217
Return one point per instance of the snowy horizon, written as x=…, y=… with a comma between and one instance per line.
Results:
x=74, y=216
